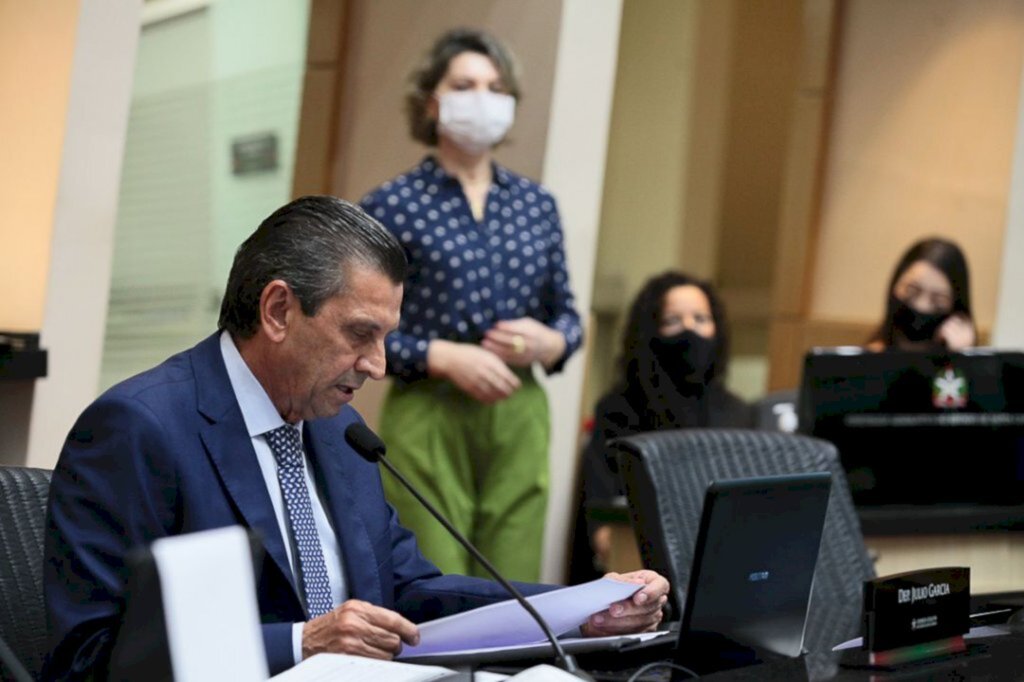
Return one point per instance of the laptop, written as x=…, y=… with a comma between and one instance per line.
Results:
x=754, y=563
x=752, y=573
x=906, y=423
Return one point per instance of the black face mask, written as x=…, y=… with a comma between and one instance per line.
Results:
x=686, y=357
x=914, y=325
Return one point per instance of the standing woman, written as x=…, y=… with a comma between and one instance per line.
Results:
x=486, y=299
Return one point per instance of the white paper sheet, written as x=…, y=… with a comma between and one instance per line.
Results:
x=209, y=600
x=543, y=673
x=508, y=624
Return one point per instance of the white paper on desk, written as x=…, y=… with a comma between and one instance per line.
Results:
x=345, y=668
x=543, y=673
x=209, y=600
x=508, y=624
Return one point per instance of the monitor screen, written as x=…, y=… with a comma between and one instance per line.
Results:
x=920, y=428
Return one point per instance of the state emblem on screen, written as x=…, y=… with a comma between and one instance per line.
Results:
x=949, y=389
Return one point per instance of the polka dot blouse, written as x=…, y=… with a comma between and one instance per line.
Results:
x=466, y=275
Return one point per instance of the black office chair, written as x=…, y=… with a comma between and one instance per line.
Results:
x=23, y=494
x=666, y=474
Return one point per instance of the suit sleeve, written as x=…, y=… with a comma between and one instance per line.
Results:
x=113, y=489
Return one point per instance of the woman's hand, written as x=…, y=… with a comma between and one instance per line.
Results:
x=524, y=341
x=957, y=333
x=476, y=371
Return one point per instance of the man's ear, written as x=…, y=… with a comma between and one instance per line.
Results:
x=278, y=307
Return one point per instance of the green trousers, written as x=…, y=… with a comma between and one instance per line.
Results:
x=484, y=466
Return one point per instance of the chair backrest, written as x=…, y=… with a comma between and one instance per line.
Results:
x=23, y=495
x=667, y=472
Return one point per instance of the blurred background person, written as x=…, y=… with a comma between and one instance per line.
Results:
x=929, y=301
x=671, y=375
x=487, y=298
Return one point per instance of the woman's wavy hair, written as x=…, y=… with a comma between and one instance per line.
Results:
x=946, y=257
x=637, y=365
x=424, y=79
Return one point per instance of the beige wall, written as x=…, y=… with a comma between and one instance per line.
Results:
x=766, y=40
x=645, y=210
x=644, y=206
x=701, y=116
x=922, y=139
x=35, y=75
x=1009, y=328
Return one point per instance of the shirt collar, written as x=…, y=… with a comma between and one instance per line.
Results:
x=258, y=410
x=499, y=173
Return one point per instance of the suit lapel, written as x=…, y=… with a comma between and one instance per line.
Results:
x=329, y=455
x=228, y=444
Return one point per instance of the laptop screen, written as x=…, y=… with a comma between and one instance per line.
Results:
x=754, y=562
x=920, y=428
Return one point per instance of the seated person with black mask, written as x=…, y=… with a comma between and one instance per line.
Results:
x=929, y=301
x=670, y=376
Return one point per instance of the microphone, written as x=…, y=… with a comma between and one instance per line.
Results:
x=372, y=448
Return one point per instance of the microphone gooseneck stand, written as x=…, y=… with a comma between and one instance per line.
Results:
x=372, y=448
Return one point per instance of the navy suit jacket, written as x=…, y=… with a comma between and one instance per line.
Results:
x=167, y=452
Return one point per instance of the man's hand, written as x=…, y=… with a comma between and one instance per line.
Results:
x=476, y=371
x=359, y=628
x=639, y=613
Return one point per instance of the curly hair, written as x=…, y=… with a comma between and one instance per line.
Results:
x=638, y=369
x=425, y=78
x=946, y=257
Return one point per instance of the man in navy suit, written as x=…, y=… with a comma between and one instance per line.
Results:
x=189, y=446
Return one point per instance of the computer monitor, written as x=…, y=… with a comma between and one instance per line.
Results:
x=754, y=560
x=938, y=430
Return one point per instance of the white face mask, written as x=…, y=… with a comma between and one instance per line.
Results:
x=475, y=120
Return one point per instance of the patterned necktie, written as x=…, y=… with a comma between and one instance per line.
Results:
x=287, y=448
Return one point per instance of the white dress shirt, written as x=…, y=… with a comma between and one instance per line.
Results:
x=261, y=416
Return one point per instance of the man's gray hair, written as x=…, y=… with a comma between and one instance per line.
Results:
x=309, y=243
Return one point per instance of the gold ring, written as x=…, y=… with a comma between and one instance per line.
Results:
x=518, y=344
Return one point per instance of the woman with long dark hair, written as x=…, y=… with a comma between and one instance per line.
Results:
x=928, y=302
x=671, y=372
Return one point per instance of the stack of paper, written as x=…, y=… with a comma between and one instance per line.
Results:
x=507, y=624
